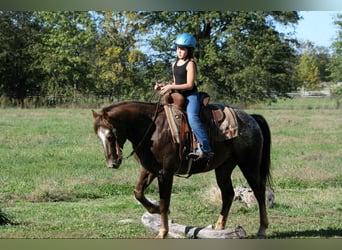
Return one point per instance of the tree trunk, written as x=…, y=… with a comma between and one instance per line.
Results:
x=152, y=222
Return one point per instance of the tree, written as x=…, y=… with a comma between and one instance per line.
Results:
x=65, y=52
x=321, y=57
x=240, y=55
x=18, y=33
x=308, y=72
x=336, y=60
x=120, y=63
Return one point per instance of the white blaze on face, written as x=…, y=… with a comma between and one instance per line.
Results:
x=103, y=133
x=113, y=158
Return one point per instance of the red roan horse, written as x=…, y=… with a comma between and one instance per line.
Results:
x=146, y=127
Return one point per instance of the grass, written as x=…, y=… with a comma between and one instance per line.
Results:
x=54, y=183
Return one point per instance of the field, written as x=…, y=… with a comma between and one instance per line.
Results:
x=54, y=183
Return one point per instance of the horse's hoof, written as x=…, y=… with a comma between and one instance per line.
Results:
x=260, y=236
x=160, y=236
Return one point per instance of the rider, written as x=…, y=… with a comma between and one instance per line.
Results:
x=184, y=71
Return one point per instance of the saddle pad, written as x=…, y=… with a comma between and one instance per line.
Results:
x=229, y=126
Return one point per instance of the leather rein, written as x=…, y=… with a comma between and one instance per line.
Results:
x=149, y=127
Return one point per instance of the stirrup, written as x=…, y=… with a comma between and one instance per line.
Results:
x=199, y=155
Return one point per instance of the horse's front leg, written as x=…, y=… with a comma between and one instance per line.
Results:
x=145, y=179
x=227, y=192
x=165, y=181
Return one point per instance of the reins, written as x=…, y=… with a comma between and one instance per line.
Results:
x=149, y=127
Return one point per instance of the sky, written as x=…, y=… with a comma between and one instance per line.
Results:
x=317, y=27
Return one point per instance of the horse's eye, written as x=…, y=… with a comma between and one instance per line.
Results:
x=110, y=135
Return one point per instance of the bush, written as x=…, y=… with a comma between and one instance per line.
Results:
x=336, y=93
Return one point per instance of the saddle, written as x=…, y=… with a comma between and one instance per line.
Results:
x=218, y=119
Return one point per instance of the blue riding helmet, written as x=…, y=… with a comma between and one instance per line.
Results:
x=186, y=40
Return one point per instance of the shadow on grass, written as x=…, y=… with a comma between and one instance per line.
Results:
x=325, y=233
x=4, y=219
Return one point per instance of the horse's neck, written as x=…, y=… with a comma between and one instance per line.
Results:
x=141, y=120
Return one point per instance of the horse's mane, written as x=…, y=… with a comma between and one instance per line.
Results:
x=140, y=105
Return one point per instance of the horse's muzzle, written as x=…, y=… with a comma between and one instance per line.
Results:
x=114, y=164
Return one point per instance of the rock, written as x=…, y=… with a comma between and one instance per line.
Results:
x=246, y=196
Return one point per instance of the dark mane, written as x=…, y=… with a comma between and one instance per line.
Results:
x=139, y=104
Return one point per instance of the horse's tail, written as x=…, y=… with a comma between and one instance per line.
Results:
x=265, y=170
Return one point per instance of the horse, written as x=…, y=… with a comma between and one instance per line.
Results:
x=144, y=124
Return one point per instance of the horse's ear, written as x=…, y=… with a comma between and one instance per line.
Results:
x=95, y=114
x=105, y=115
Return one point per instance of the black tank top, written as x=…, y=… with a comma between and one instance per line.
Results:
x=180, y=74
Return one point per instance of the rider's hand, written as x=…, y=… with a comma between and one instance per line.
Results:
x=158, y=86
x=165, y=89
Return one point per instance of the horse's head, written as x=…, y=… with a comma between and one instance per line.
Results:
x=109, y=134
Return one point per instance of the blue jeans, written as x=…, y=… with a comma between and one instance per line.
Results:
x=193, y=110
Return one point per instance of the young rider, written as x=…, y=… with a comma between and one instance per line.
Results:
x=184, y=72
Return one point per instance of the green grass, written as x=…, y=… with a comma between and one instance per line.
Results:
x=54, y=183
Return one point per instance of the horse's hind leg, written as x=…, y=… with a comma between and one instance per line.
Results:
x=259, y=192
x=259, y=187
x=227, y=192
x=145, y=180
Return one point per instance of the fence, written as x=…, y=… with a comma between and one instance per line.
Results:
x=51, y=101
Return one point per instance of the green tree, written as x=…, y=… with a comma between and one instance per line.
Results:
x=323, y=59
x=120, y=63
x=18, y=35
x=308, y=71
x=241, y=57
x=335, y=65
x=65, y=53
x=320, y=55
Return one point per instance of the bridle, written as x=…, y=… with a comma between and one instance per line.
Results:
x=114, y=131
x=117, y=145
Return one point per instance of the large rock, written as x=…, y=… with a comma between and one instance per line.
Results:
x=246, y=196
